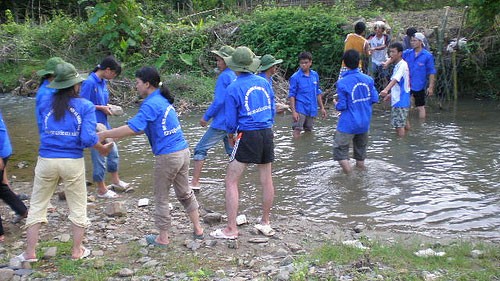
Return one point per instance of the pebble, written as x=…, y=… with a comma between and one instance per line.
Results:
x=125, y=272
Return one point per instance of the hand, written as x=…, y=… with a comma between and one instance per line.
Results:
x=387, y=97
x=105, y=148
x=323, y=113
x=384, y=93
x=106, y=109
x=430, y=91
x=295, y=116
x=203, y=123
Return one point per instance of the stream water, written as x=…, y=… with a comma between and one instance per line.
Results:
x=443, y=178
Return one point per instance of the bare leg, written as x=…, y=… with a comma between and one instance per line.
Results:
x=198, y=166
x=115, y=178
x=266, y=181
x=360, y=164
x=421, y=112
x=346, y=166
x=234, y=171
x=101, y=187
x=163, y=237
x=194, y=216
x=32, y=240
x=401, y=131
x=296, y=133
x=78, y=233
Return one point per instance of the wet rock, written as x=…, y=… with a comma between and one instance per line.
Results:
x=212, y=218
x=359, y=228
x=116, y=110
x=115, y=209
x=125, y=272
x=6, y=274
x=50, y=253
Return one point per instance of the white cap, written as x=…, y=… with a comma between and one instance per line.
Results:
x=420, y=36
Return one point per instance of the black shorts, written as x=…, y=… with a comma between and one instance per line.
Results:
x=255, y=147
x=419, y=97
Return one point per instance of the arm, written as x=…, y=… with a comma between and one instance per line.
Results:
x=120, y=132
x=385, y=92
x=292, y=92
x=321, y=106
x=295, y=115
x=432, y=79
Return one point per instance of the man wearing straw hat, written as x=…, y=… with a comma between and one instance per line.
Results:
x=268, y=67
x=250, y=111
x=217, y=130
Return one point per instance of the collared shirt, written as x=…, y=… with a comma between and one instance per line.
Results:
x=421, y=66
x=250, y=104
x=305, y=89
x=158, y=120
x=95, y=90
x=263, y=75
x=400, y=93
x=67, y=137
x=43, y=93
x=216, y=109
x=356, y=94
x=5, y=145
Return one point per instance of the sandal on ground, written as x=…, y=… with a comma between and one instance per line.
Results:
x=120, y=186
x=22, y=259
x=85, y=254
x=151, y=240
x=219, y=234
x=198, y=236
x=265, y=229
x=110, y=194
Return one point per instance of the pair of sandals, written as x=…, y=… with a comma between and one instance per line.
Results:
x=21, y=257
x=265, y=229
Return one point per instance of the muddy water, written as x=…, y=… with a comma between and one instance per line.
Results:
x=443, y=179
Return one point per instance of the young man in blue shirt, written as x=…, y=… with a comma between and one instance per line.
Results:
x=421, y=65
x=268, y=67
x=399, y=88
x=217, y=130
x=356, y=94
x=305, y=95
x=250, y=109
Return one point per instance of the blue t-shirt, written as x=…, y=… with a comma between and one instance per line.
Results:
x=250, y=104
x=305, y=89
x=356, y=94
x=5, y=145
x=158, y=120
x=216, y=109
x=67, y=137
x=263, y=75
x=43, y=93
x=420, y=67
x=95, y=90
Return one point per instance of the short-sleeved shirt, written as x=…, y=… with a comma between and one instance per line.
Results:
x=305, y=89
x=69, y=136
x=400, y=93
x=158, y=120
x=5, y=145
x=216, y=109
x=379, y=56
x=421, y=66
x=250, y=104
x=356, y=94
x=95, y=90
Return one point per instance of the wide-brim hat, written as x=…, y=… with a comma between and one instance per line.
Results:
x=65, y=76
x=50, y=66
x=267, y=61
x=243, y=60
x=224, y=51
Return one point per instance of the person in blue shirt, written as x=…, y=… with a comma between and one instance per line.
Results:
x=215, y=112
x=158, y=120
x=410, y=32
x=399, y=88
x=422, y=72
x=305, y=95
x=250, y=109
x=356, y=94
x=68, y=127
x=6, y=194
x=95, y=89
x=43, y=92
x=268, y=67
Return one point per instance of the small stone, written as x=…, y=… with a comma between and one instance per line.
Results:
x=233, y=244
x=286, y=261
x=99, y=263
x=143, y=202
x=241, y=219
x=64, y=237
x=6, y=274
x=125, y=272
x=359, y=228
x=477, y=254
x=98, y=253
x=429, y=253
x=50, y=253
x=115, y=209
x=212, y=218
x=258, y=240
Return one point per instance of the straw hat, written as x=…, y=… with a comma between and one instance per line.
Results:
x=66, y=76
x=243, y=60
x=50, y=66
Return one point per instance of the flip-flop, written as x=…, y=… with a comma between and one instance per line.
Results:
x=22, y=259
x=151, y=240
x=219, y=234
x=198, y=236
x=265, y=229
x=110, y=194
x=86, y=254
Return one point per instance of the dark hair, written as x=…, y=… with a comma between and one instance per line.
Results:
x=359, y=27
x=60, y=101
x=110, y=62
x=43, y=78
x=151, y=75
x=411, y=31
x=351, y=59
x=396, y=45
x=305, y=56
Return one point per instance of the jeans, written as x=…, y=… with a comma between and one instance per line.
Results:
x=210, y=139
x=100, y=162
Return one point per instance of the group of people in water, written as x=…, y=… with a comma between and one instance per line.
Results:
x=69, y=109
